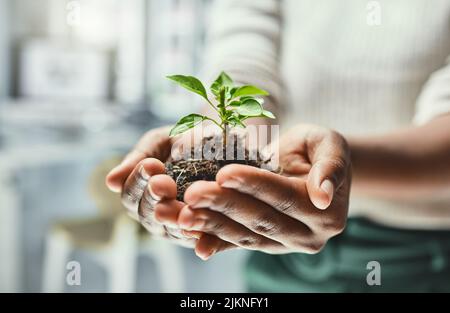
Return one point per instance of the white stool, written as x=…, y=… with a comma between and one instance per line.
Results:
x=168, y=261
x=115, y=243
x=113, y=239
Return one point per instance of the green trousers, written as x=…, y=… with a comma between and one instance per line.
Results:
x=410, y=261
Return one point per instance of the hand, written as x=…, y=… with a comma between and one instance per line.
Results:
x=150, y=196
x=259, y=210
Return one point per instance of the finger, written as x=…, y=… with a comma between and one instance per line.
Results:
x=136, y=183
x=163, y=191
x=117, y=176
x=166, y=212
x=285, y=194
x=155, y=143
x=162, y=187
x=217, y=224
x=329, y=170
x=208, y=245
x=161, y=220
x=255, y=215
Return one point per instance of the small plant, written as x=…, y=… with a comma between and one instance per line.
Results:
x=233, y=105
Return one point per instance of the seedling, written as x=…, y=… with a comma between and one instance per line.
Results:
x=234, y=105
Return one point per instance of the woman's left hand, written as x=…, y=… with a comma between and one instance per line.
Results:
x=259, y=210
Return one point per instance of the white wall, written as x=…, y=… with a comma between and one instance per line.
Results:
x=4, y=48
x=19, y=19
x=29, y=18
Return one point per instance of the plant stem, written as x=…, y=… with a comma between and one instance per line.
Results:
x=223, y=116
x=224, y=138
x=212, y=105
x=215, y=122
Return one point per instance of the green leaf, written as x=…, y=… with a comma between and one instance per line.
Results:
x=190, y=83
x=221, y=82
x=268, y=114
x=236, y=121
x=233, y=91
x=251, y=108
x=245, y=98
x=186, y=123
x=235, y=104
x=249, y=91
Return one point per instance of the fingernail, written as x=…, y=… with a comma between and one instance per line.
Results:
x=328, y=187
x=206, y=256
x=195, y=225
x=230, y=184
x=113, y=188
x=153, y=194
x=144, y=173
x=190, y=234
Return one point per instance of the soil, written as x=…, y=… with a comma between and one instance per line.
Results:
x=189, y=170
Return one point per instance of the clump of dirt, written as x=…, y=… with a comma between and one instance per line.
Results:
x=192, y=168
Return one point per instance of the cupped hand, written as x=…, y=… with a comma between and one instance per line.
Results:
x=260, y=210
x=150, y=196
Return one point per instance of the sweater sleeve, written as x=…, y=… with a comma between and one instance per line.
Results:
x=434, y=99
x=244, y=40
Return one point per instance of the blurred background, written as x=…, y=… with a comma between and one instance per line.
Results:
x=80, y=81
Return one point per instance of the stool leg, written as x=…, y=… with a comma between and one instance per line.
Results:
x=123, y=263
x=170, y=266
x=57, y=251
x=122, y=271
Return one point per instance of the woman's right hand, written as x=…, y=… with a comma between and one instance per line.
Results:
x=150, y=196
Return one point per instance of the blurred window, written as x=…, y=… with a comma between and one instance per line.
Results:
x=142, y=41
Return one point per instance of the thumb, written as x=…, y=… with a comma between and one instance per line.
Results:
x=154, y=144
x=324, y=179
x=117, y=176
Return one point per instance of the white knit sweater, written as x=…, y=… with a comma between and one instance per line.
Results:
x=328, y=62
